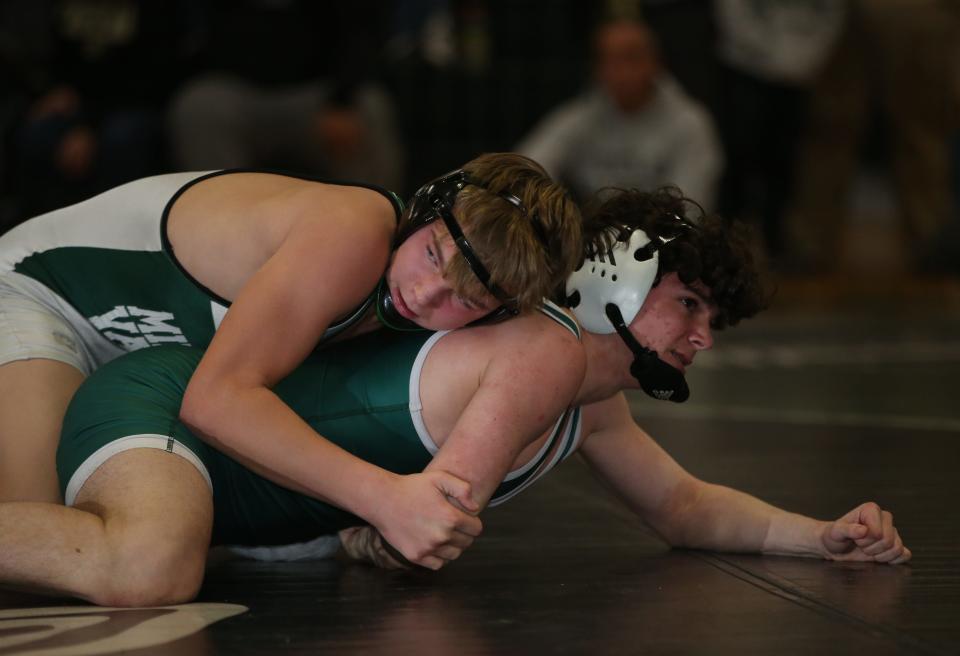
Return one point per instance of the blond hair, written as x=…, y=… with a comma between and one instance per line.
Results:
x=529, y=251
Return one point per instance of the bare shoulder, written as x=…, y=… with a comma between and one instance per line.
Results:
x=338, y=243
x=337, y=212
x=327, y=245
x=531, y=337
x=528, y=352
x=266, y=208
x=514, y=353
x=536, y=340
x=350, y=201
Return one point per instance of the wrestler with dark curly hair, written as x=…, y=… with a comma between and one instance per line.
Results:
x=702, y=246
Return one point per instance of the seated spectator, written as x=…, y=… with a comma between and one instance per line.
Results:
x=636, y=128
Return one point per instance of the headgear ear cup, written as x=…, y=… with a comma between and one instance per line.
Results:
x=615, y=284
x=614, y=277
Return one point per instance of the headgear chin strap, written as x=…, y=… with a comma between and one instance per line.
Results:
x=613, y=285
x=435, y=200
x=656, y=377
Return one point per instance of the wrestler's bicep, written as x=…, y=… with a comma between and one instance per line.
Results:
x=520, y=396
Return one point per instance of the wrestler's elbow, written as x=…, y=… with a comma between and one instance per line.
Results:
x=677, y=520
x=205, y=405
x=192, y=407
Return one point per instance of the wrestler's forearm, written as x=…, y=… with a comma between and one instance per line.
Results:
x=51, y=549
x=720, y=518
x=684, y=510
x=266, y=436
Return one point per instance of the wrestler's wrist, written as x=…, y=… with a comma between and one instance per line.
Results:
x=372, y=497
x=790, y=534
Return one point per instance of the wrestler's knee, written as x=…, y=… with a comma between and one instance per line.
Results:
x=157, y=512
x=143, y=574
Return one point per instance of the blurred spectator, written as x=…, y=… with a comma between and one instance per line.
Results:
x=637, y=128
x=290, y=84
x=423, y=28
x=901, y=57
x=770, y=51
x=471, y=75
x=22, y=29
x=686, y=33
x=94, y=89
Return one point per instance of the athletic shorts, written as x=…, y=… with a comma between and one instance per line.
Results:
x=134, y=402
x=124, y=406
x=36, y=323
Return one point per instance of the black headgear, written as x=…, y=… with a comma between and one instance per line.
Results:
x=435, y=200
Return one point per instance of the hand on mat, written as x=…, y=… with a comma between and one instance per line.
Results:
x=866, y=533
x=427, y=518
x=363, y=544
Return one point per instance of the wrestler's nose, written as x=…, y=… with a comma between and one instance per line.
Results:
x=431, y=290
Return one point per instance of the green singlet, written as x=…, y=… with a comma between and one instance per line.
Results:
x=362, y=395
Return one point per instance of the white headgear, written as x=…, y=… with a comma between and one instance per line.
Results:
x=622, y=276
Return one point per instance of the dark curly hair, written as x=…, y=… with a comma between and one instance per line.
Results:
x=703, y=246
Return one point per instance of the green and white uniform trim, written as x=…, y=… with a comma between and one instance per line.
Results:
x=107, y=451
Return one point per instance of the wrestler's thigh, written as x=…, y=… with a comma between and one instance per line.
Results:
x=34, y=395
x=157, y=511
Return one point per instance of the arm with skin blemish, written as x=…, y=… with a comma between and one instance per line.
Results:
x=526, y=373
